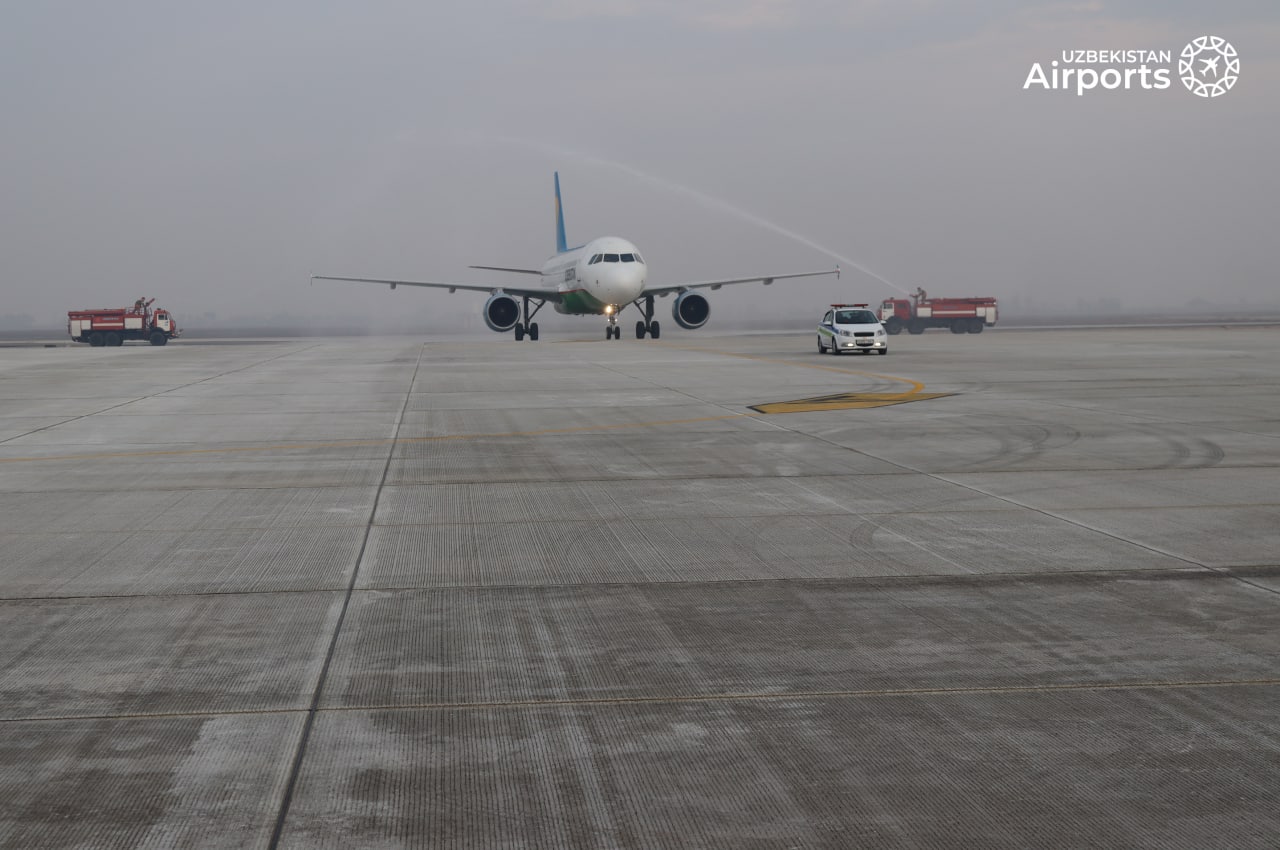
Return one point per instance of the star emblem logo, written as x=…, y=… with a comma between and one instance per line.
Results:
x=1211, y=80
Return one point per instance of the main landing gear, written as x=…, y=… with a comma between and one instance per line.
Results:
x=525, y=327
x=647, y=324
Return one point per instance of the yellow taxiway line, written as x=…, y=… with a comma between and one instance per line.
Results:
x=836, y=401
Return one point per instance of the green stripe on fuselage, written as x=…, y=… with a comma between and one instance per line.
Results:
x=580, y=301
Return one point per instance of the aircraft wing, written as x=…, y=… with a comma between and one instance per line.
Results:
x=766, y=279
x=507, y=269
x=531, y=292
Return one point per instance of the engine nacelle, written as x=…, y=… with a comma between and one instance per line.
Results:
x=501, y=312
x=690, y=311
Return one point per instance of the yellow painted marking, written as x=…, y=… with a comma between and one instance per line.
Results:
x=838, y=401
x=844, y=401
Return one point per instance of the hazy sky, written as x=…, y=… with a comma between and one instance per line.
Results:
x=215, y=155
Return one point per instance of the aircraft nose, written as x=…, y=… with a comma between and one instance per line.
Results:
x=621, y=283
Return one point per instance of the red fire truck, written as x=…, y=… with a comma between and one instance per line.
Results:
x=114, y=326
x=961, y=315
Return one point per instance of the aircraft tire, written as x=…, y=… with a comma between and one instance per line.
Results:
x=655, y=330
x=533, y=331
x=640, y=329
x=519, y=332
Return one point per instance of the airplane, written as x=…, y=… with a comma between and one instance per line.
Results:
x=601, y=277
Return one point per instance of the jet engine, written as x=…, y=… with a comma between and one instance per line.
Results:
x=501, y=312
x=691, y=310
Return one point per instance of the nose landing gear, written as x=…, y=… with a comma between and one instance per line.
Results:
x=612, y=330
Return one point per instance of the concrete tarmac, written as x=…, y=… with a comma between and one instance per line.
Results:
x=1005, y=590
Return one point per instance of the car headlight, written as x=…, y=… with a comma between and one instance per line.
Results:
x=846, y=333
x=880, y=332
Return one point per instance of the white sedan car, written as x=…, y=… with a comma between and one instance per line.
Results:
x=851, y=327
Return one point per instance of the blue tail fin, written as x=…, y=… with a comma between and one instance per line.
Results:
x=561, y=244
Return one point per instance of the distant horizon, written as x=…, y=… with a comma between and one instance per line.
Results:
x=333, y=325
x=218, y=160
x=725, y=314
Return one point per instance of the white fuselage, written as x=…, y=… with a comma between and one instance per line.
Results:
x=602, y=276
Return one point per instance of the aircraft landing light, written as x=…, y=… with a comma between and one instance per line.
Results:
x=844, y=401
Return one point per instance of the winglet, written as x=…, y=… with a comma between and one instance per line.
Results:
x=837, y=271
x=561, y=244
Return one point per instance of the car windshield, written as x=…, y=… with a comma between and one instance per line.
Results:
x=855, y=317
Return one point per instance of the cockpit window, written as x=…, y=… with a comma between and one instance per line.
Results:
x=638, y=260
x=855, y=317
x=628, y=258
x=594, y=259
x=611, y=258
